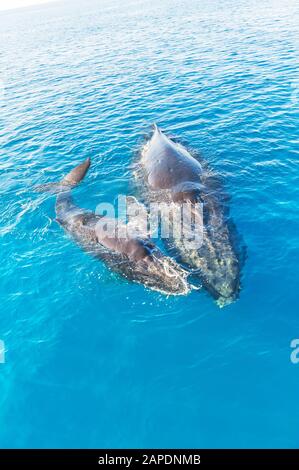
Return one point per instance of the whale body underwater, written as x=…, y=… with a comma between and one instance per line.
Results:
x=171, y=177
x=134, y=257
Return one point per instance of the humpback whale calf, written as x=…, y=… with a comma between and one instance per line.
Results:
x=134, y=257
x=173, y=176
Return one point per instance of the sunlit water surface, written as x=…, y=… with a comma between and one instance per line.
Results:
x=94, y=361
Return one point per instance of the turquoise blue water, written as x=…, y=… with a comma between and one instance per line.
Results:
x=94, y=361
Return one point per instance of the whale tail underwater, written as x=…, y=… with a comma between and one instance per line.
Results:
x=132, y=256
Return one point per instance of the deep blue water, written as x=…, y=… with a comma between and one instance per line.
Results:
x=94, y=361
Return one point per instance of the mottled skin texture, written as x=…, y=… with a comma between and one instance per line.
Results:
x=173, y=175
x=135, y=258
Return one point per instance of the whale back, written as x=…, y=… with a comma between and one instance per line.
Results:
x=173, y=176
x=167, y=164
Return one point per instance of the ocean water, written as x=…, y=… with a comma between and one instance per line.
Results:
x=94, y=361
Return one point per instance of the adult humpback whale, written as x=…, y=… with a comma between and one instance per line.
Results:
x=135, y=257
x=173, y=176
